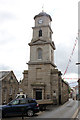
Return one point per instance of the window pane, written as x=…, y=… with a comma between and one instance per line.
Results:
x=15, y=102
x=23, y=101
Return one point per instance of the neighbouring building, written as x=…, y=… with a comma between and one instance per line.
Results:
x=42, y=81
x=79, y=48
x=65, y=92
x=79, y=86
x=9, y=86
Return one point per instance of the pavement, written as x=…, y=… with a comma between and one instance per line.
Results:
x=78, y=113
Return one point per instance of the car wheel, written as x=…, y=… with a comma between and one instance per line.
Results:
x=30, y=113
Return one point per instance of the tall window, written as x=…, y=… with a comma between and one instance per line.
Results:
x=5, y=95
x=39, y=53
x=50, y=35
x=10, y=90
x=40, y=33
x=51, y=55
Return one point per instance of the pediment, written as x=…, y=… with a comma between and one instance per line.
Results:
x=40, y=41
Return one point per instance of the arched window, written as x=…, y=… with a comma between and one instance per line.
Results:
x=40, y=33
x=39, y=53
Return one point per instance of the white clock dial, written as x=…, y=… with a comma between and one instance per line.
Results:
x=40, y=21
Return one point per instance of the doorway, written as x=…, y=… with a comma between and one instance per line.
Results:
x=59, y=99
x=39, y=94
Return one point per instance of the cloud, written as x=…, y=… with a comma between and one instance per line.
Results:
x=6, y=16
x=17, y=73
x=6, y=37
x=4, y=67
x=62, y=55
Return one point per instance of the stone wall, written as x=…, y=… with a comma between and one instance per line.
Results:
x=23, y=84
x=79, y=86
x=49, y=80
x=55, y=87
x=9, y=88
x=64, y=92
x=41, y=78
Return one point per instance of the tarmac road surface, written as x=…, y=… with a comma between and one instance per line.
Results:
x=66, y=110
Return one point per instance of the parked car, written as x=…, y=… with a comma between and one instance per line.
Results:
x=20, y=107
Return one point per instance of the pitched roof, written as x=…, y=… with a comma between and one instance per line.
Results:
x=3, y=74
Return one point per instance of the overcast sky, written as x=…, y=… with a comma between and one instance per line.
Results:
x=16, y=22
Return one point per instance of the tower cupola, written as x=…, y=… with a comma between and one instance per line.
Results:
x=43, y=14
x=42, y=19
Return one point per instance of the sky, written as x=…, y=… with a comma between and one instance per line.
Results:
x=16, y=22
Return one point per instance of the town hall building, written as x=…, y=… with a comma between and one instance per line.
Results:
x=42, y=81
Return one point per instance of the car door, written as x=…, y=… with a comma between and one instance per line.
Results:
x=23, y=106
x=16, y=108
x=19, y=107
x=12, y=108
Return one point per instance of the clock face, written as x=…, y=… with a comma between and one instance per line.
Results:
x=40, y=21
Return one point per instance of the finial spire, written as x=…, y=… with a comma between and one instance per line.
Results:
x=43, y=8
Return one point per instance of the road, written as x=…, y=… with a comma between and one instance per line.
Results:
x=66, y=110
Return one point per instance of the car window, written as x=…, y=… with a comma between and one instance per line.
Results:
x=21, y=96
x=31, y=101
x=15, y=102
x=23, y=101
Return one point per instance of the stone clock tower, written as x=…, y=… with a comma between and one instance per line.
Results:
x=42, y=81
x=41, y=58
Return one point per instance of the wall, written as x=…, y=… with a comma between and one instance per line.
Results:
x=9, y=88
x=64, y=92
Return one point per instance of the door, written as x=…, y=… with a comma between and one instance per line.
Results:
x=38, y=94
x=59, y=99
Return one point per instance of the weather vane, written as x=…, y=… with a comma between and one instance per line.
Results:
x=43, y=8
